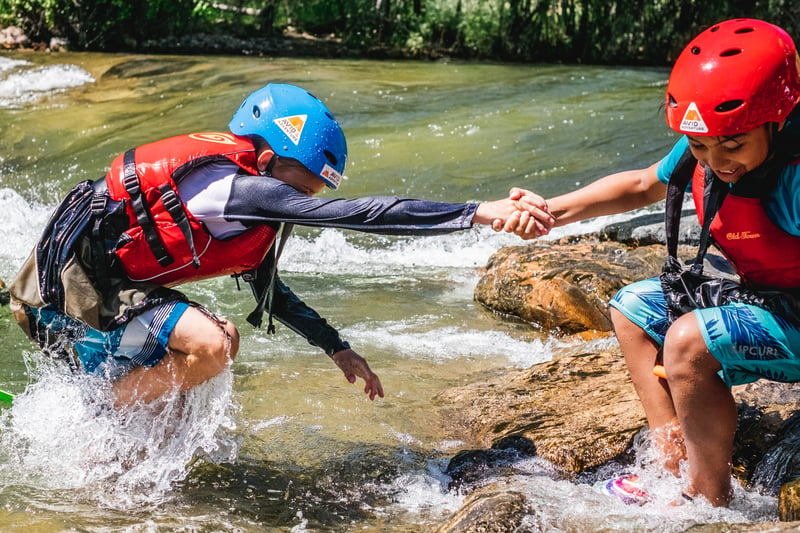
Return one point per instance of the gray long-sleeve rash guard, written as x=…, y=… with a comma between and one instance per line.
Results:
x=251, y=200
x=257, y=199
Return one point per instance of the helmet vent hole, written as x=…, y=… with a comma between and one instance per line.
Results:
x=696, y=50
x=329, y=116
x=671, y=101
x=731, y=52
x=256, y=111
x=715, y=28
x=730, y=105
x=330, y=157
x=744, y=30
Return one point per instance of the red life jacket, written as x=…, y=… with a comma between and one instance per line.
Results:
x=165, y=243
x=763, y=254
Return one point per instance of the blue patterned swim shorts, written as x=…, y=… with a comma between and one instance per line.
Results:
x=749, y=342
x=140, y=342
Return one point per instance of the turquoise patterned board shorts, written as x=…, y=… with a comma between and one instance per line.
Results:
x=749, y=342
x=140, y=342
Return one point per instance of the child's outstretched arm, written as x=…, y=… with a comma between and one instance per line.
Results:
x=615, y=193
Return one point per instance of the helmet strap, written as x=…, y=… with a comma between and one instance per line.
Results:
x=270, y=164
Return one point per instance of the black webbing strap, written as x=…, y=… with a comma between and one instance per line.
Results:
x=265, y=298
x=714, y=192
x=131, y=182
x=99, y=204
x=175, y=208
x=678, y=182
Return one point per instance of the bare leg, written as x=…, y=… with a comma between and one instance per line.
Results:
x=640, y=352
x=199, y=349
x=705, y=407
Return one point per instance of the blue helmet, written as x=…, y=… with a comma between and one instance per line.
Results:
x=296, y=124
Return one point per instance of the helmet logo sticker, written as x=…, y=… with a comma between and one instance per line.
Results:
x=692, y=121
x=292, y=126
x=221, y=138
x=330, y=174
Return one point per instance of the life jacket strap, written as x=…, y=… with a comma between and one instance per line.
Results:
x=715, y=192
x=131, y=182
x=175, y=208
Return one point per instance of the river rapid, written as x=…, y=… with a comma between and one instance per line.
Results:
x=281, y=442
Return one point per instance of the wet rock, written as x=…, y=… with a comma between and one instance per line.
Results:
x=564, y=286
x=649, y=229
x=581, y=412
x=578, y=412
x=789, y=501
x=767, y=445
x=471, y=467
x=492, y=509
x=778, y=468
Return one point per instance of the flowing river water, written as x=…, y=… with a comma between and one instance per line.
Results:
x=282, y=443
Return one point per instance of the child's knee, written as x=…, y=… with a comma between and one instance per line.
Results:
x=212, y=341
x=232, y=338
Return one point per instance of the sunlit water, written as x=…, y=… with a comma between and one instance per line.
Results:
x=282, y=442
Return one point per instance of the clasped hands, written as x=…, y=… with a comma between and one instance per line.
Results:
x=523, y=213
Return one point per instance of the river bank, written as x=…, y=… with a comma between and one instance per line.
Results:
x=290, y=44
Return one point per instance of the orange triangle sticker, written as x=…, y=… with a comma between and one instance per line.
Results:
x=292, y=126
x=692, y=121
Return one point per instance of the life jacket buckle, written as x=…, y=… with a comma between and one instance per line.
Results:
x=131, y=183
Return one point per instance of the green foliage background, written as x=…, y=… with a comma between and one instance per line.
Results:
x=586, y=31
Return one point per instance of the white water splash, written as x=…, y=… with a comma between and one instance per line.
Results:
x=21, y=223
x=414, y=340
x=62, y=433
x=333, y=251
x=425, y=498
x=409, y=339
x=22, y=82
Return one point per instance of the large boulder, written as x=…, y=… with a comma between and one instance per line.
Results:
x=579, y=412
x=564, y=286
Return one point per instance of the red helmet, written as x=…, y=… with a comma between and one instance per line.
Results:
x=733, y=77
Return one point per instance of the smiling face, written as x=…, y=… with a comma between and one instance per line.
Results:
x=731, y=157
